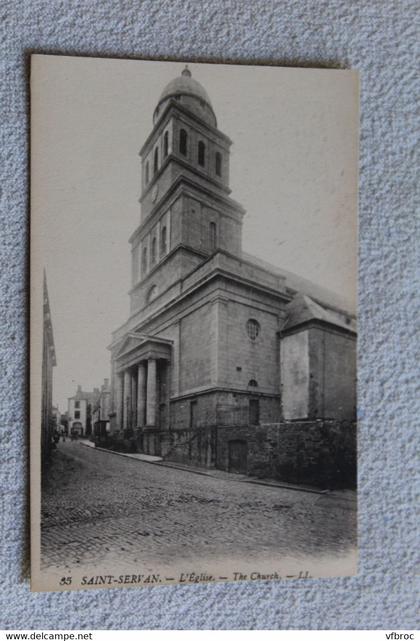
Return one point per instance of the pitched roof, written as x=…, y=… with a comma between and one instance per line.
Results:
x=303, y=309
x=301, y=285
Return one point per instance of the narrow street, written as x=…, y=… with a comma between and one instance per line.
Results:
x=99, y=508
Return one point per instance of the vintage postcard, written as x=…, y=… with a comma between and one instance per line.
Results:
x=193, y=322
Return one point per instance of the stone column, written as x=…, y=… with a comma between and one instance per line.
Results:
x=133, y=424
x=151, y=392
x=141, y=395
x=119, y=402
x=127, y=399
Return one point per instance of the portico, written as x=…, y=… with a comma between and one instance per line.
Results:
x=141, y=364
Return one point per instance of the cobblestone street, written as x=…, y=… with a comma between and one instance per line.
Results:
x=99, y=508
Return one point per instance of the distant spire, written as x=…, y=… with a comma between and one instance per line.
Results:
x=186, y=72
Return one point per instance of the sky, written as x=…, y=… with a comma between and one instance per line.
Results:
x=293, y=166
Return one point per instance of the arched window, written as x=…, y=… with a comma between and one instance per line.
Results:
x=252, y=383
x=201, y=153
x=253, y=328
x=147, y=173
x=183, y=141
x=155, y=161
x=144, y=260
x=165, y=144
x=218, y=163
x=163, y=244
x=153, y=251
x=213, y=236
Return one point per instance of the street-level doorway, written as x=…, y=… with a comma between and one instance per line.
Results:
x=238, y=454
x=76, y=429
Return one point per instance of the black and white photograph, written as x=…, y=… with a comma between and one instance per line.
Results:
x=193, y=322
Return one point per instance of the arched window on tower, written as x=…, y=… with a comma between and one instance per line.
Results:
x=153, y=251
x=165, y=144
x=147, y=173
x=163, y=242
x=155, y=161
x=218, y=163
x=201, y=153
x=213, y=236
x=144, y=261
x=183, y=142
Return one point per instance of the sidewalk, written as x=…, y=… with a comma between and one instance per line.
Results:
x=346, y=498
x=146, y=458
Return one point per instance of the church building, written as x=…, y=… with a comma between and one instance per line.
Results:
x=222, y=355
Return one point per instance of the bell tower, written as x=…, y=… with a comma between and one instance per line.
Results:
x=187, y=213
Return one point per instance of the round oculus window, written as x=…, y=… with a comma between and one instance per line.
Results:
x=253, y=328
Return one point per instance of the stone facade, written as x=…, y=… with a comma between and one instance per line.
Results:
x=318, y=363
x=217, y=344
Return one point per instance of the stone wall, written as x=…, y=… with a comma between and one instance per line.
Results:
x=333, y=374
x=204, y=412
x=220, y=408
x=242, y=358
x=190, y=446
x=197, y=347
x=320, y=453
x=295, y=375
x=318, y=374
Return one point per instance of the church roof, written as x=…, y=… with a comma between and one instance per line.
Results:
x=302, y=285
x=189, y=94
x=303, y=309
x=185, y=85
x=310, y=301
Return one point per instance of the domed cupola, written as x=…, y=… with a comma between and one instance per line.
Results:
x=190, y=94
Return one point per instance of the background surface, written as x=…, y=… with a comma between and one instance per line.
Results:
x=377, y=38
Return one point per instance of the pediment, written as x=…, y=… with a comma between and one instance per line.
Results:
x=130, y=342
x=136, y=347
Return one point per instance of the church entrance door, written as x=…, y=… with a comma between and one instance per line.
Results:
x=238, y=451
